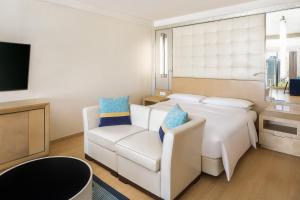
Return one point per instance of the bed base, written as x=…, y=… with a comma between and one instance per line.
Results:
x=212, y=166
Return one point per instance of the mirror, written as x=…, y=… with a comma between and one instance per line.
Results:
x=283, y=56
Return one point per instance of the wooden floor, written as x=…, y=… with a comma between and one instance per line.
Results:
x=260, y=175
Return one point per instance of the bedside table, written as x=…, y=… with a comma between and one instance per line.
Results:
x=279, y=128
x=153, y=100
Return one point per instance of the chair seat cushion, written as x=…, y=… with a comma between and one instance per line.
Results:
x=144, y=148
x=108, y=136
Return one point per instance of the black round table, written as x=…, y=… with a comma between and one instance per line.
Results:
x=55, y=178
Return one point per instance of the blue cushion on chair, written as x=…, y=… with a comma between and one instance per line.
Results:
x=114, y=111
x=294, y=87
x=175, y=117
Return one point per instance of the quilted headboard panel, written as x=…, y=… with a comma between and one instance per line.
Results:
x=225, y=49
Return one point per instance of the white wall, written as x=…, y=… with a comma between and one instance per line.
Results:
x=76, y=57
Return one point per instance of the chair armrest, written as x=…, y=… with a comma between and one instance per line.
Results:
x=90, y=117
x=90, y=121
x=181, y=157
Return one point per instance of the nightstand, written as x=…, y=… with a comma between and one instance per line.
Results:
x=279, y=128
x=153, y=100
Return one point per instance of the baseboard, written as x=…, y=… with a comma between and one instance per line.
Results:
x=66, y=137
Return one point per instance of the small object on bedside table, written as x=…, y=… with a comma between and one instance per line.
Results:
x=162, y=93
x=153, y=100
x=279, y=128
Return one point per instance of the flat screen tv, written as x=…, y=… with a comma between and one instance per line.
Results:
x=14, y=66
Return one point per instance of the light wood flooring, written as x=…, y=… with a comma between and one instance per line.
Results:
x=260, y=175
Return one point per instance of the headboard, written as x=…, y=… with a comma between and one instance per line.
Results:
x=225, y=49
x=249, y=90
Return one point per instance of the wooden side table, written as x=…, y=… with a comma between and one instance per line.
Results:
x=279, y=128
x=153, y=100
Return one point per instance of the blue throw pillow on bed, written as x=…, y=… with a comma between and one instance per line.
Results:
x=114, y=111
x=175, y=117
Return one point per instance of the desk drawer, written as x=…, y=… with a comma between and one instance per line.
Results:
x=280, y=127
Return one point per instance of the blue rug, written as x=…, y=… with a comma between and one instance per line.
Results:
x=102, y=191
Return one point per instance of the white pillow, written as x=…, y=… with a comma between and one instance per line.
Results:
x=189, y=98
x=238, y=103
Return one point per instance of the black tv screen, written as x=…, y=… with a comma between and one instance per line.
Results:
x=14, y=66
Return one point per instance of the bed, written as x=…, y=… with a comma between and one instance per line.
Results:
x=229, y=132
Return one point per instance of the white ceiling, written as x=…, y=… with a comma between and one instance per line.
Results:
x=159, y=9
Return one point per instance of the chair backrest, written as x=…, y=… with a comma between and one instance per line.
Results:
x=140, y=115
x=294, y=87
x=156, y=119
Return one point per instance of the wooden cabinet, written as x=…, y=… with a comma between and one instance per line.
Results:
x=24, y=131
x=36, y=131
x=279, y=128
x=13, y=136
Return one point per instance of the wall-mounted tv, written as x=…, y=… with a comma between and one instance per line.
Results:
x=14, y=66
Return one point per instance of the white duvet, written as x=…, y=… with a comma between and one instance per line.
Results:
x=228, y=132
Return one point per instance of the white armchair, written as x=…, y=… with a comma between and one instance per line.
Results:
x=90, y=121
x=99, y=142
x=163, y=169
x=181, y=158
x=136, y=153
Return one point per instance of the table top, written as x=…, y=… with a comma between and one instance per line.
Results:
x=56, y=178
x=156, y=98
x=22, y=105
x=284, y=108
